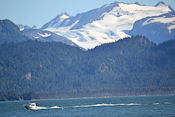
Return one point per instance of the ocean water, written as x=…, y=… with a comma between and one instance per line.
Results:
x=150, y=106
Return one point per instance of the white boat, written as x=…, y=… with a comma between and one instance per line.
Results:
x=33, y=106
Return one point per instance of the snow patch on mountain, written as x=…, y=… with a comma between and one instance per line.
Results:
x=44, y=35
x=171, y=28
x=21, y=29
x=36, y=37
x=64, y=16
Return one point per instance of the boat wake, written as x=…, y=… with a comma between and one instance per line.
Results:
x=45, y=108
x=55, y=107
x=101, y=105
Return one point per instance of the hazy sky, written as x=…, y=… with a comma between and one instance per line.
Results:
x=38, y=12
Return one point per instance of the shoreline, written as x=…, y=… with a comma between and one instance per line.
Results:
x=90, y=97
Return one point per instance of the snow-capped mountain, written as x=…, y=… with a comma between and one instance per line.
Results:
x=157, y=28
x=106, y=24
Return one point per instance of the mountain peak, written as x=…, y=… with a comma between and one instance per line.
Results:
x=137, y=3
x=109, y=5
x=61, y=17
x=7, y=26
x=56, y=21
x=160, y=4
x=114, y=3
x=64, y=16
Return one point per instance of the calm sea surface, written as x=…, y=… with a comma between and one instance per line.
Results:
x=152, y=106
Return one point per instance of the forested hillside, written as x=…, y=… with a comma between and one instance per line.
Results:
x=132, y=66
x=9, y=32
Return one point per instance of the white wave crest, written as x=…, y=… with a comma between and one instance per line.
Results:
x=166, y=103
x=156, y=103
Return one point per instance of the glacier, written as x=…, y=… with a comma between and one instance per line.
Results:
x=106, y=24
